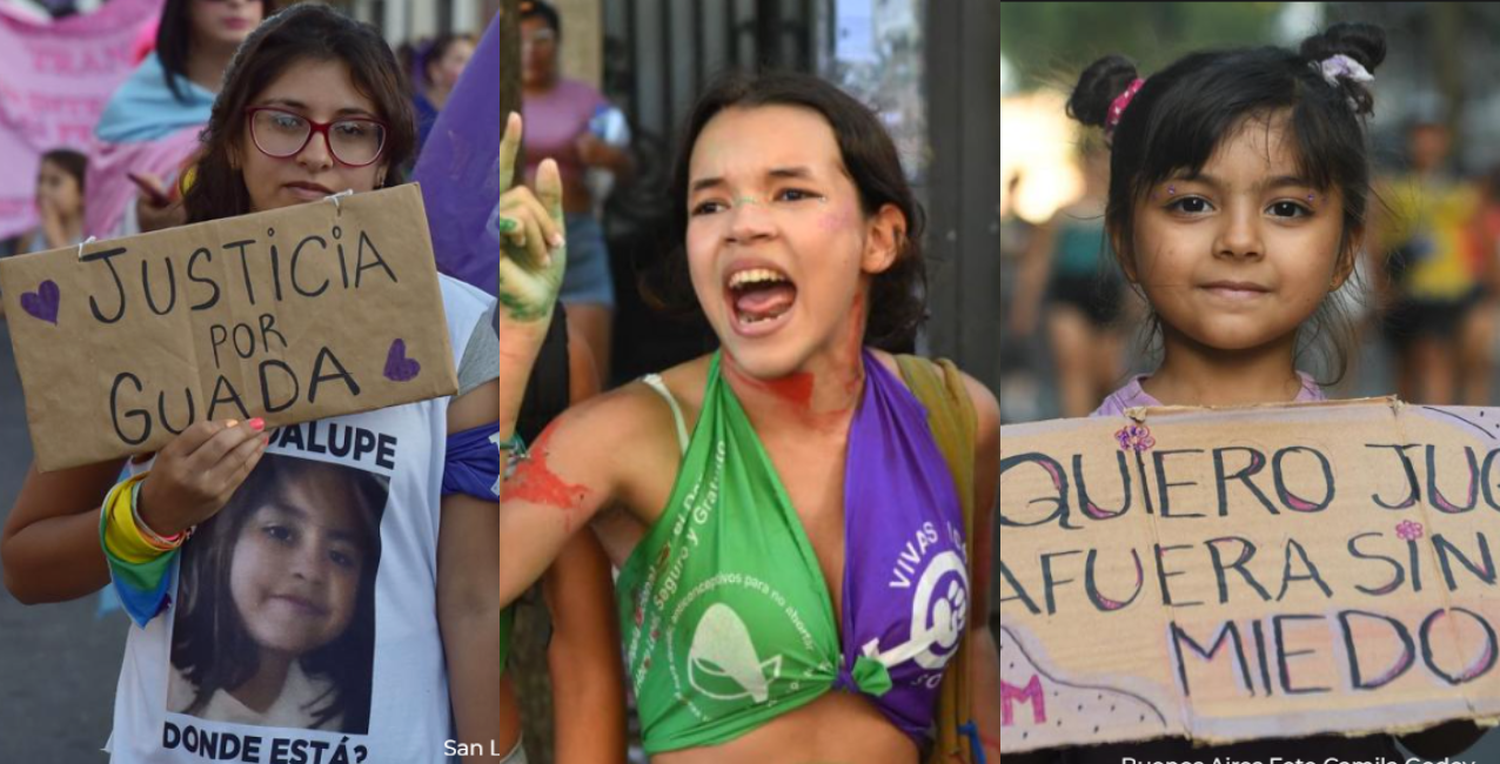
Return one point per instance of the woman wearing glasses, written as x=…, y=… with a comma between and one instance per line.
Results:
x=229, y=658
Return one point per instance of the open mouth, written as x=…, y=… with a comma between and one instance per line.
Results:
x=760, y=296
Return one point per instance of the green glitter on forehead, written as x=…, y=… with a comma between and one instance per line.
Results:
x=752, y=200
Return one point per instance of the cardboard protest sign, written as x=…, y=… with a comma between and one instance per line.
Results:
x=1229, y=574
x=296, y=314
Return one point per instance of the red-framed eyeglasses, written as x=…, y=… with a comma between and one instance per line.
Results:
x=278, y=133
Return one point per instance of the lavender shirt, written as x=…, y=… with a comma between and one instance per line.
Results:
x=1131, y=395
x=554, y=122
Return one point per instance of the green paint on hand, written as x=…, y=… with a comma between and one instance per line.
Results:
x=523, y=311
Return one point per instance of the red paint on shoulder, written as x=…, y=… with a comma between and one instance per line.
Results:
x=534, y=482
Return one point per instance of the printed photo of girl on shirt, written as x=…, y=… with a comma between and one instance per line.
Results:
x=275, y=620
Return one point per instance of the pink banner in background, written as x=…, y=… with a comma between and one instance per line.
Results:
x=55, y=78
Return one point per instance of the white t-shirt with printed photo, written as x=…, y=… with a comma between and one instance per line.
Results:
x=392, y=686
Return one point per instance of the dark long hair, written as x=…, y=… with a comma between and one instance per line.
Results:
x=174, y=36
x=210, y=643
x=897, y=295
x=300, y=33
x=1181, y=114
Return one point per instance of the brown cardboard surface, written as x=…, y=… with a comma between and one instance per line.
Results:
x=296, y=314
x=1274, y=571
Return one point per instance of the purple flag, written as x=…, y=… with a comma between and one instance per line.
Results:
x=459, y=170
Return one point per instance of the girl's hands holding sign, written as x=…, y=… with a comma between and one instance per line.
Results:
x=532, y=252
x=195, y=475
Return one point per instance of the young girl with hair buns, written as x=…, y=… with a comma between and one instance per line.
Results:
x=1239, y=184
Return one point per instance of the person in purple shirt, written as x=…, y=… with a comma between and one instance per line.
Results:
x=1237, y=198
x=558, y=113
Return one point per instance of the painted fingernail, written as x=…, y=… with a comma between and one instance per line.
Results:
x=507, y=225
x=257, y=424
x=265, y=440
x=231, y=423
x=557, y=240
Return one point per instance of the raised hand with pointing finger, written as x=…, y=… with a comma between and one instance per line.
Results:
x=532, y=250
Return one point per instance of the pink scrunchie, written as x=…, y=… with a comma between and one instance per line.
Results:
x=1117, y=107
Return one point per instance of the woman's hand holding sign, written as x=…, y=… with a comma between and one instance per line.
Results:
x=532, y=252
x=197, y=473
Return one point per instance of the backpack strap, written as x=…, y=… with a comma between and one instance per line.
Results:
x=950, y=414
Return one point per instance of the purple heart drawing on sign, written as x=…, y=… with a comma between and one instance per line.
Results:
x=43, y=302
x=399, y=368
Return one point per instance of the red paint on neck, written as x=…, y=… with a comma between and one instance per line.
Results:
x=796, y=389
x=534, y=482
x=854, y=343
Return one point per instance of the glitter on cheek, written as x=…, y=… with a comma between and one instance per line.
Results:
x=836, y=221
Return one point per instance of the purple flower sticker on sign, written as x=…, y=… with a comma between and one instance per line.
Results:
x=43, y=303
x=1409, y=531
x=399, y=368
x=1135, y=438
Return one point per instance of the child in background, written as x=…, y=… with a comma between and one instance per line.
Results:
x=59, y=203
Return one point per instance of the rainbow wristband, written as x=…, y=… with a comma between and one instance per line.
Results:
x=121, y=537
x=142, y=575
x=125, y=535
